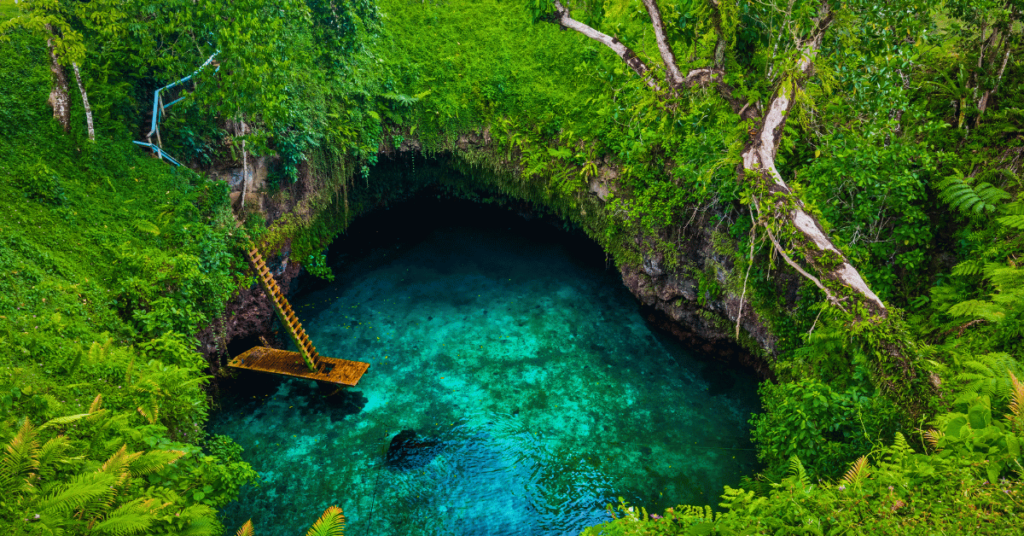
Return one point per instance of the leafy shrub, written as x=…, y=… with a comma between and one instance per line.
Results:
x=825, y=428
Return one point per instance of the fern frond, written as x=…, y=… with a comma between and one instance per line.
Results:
x=97, y=403
x=81, y=492
x=932, y=437
x=61, y=421
x=968, y=268
x=53, y=451
x=858, y=471
x=990, y=195
x=796, y=468
x=133, y=517
x=147, y=227
x=332, y=523
x=20, y=455
x=151, y=414
x=900, y=443
x=977, y=309
x=119, y=462
x=1014, y=222
x=958, y=192
x=202, y=521
x=1016, y=396
x=246, y=529
x=983, y=376
x=154, y=461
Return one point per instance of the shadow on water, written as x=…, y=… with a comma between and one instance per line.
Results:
x=514, y=388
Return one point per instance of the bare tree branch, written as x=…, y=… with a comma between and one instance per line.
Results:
x=565, y=20
x=85, y=102
x=759, y=162
x=672, y=74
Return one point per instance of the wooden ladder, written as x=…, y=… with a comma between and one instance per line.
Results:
x=284, y=310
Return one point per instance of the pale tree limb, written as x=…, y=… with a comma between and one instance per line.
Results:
x=983, y=102
x=85, y=102
x=759, y=162
x=817, y=282
x=565, y=20
x=672, y=74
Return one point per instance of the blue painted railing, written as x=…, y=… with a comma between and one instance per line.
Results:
x=160, y=109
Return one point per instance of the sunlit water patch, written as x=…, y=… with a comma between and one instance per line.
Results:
x=514, y=389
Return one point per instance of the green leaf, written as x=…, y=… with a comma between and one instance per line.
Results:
x=980, y=416
x=1013, y=445
x=992, y=470
x=954, y=425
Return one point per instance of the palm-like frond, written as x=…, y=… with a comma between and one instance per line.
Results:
x=96, y=405
x=1015, y=221
x=62, y=421
x=796, y=468
x=960, y=194
x=153, y=461
x=331, y=523
x=20, y=457
x=1016, y=398
x=53, y=452
x=88, y=491
x=983, y=376
x=133, y=517
x=858, y=471
x=246, y=529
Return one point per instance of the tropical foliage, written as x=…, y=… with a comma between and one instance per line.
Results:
x=902, y=139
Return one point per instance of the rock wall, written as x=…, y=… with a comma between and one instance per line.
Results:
x=672, y=298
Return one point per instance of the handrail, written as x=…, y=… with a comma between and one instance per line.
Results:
x=158, y=108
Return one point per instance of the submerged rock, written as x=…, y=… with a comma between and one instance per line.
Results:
x=406, y=451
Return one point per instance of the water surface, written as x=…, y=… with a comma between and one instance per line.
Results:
x=530, y=390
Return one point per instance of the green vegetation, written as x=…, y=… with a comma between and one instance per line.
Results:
x=904, y=142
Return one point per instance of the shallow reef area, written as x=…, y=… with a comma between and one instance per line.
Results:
x=514, y=388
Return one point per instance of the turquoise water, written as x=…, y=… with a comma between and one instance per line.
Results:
x=531, y=390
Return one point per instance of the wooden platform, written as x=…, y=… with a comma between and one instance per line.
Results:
x=336, y=371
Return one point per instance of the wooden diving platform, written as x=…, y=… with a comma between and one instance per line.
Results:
x=336, y=371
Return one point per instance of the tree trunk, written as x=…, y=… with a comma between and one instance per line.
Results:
x=85, y=102
x=59, y=99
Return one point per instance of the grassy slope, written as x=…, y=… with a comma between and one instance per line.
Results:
x=73, y=212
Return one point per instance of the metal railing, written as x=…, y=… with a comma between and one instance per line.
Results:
x=160, y=109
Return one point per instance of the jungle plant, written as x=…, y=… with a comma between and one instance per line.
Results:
x=331, y=523
x=824, y=428
x=52, y=483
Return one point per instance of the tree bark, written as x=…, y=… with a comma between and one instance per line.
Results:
x=85, y=102
x=565, y=20
x=672, y=74
x=759, y=164
x=59, y=99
